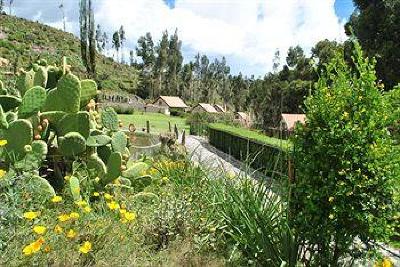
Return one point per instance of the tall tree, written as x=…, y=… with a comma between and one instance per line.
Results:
x=175, y=60
x=131, y=58
x=10, y=2
x=376, y=24
x=104, y=41
x=122, y=38
x=99, y=37
x=87, y=36
x=161, y=62
x=1, y=6
x=116, y=43
x=61, y=7
x=146, y=51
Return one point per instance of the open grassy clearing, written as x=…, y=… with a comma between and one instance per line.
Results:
x=158, y=121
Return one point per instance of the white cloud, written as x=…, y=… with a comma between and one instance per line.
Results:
x=249, y=31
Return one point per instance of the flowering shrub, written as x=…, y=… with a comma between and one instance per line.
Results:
x=345, y=165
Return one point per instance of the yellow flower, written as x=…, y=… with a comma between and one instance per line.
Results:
x=81, y=203
x=63, y=217
x=87, y=209
x=345, y=114
x=113, y=205
x=67, y=177
x=39, y=229
x=85, y=248
x=56, y=199
x=107, y=196
x=96, y=194
x=33, y=247
x=97, y=179
x=130, y=216
x=74, y=215
x=331, y=199
x=71, y=234
x=331, y=216
x=2, y=173
x=58, y=229
x=3, y=143
x=117, y=182
x=30, y=215
x=387, y=263
x=122, y=211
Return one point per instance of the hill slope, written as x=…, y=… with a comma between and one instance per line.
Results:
x=23, y=41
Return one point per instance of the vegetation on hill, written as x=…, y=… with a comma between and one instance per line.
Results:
x=23, y=42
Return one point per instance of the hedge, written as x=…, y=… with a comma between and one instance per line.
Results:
x=261, y=152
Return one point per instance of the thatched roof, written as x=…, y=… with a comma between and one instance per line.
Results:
x=219, y=108
x=207, y=108
x=172, y=101
x=291, y=119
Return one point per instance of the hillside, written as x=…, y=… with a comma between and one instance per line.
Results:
x=23, y=41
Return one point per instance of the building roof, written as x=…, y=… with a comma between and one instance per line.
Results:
x=219, y=108
x=173, y=101
x=208, y=108
x=291, y=119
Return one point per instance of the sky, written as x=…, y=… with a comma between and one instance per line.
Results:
x=246, y=32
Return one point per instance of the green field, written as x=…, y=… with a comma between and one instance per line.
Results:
x=158, y=121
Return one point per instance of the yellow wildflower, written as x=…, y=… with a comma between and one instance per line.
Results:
x=87, y=209
x=387, y=263
x=30, y=215
x=130, y=216
x=97, y=179
x=331, y=199
x=63, y=217
x=331, y=216
x=107, y=196
x=81, y=203
x=122, y=211
x=85, y=248
x=58, y=229
x=56, y=199
x=96, y=194
x=2, y=173
x=3, y=143
x=71, y=234
x=74, y=215
x=39, y=229
x=33, y=247
x=113, y=205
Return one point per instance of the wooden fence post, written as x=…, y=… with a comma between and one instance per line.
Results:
x=169, y=126
x=148, y=126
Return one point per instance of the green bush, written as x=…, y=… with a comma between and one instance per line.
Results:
x=259, y=151
x=345, y=165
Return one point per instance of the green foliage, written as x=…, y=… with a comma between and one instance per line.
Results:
x=114, y=163
x=32, y=101
x=135, y=170
x=88, y=91
x=18, y=135
x=74, y=122
x=72, y=144
x=25, y=81
x=119, y=142
x=40, y=78
x=109, y=119
x=199, y=121
x=345, y=164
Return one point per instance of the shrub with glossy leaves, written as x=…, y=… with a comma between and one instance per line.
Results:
x=345, y=165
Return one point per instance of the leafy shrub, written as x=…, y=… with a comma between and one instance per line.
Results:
x=345, y=165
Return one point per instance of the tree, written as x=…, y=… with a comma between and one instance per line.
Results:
x=1, y=6
x=294, y=56
x=10, y=2
x=345, y=165
x=104, y=41
x=116, y=43
x=175, y=60
x=99, y=37
x=146, y=50
x=161, y=62
x=122, y=38
x=376, y=24
x=132, y=58
x=61, y=7
x=87, y=36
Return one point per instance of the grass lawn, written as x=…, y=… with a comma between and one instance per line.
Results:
x=158, y=121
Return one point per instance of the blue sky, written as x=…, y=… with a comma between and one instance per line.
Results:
x=246, y=32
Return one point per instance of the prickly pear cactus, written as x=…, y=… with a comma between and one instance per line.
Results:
x=119, y=142
x=52, y=116
x=98, y=140
x=88, y=91
x=104, y=152
x=72, y=144
x=53, y=75
x=18, y=135
x=135, y=170
x=32, y=101
x=75, y=188
x=113, y=167
x=66, y=97
x=40, y=187
x=3, y=119
x=25, y=81
x=109, y=119
x=74, y=122
x=95, y=163
x=9, y=102
x=40, y=78
x=11, y=116
x=3, y=90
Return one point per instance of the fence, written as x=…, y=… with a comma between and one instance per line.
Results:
x=259, y=155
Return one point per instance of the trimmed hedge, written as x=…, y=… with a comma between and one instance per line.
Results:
x=261, y=152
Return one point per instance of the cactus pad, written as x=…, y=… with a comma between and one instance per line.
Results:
x=52, y=116
x=40, y=78
x=25, y=81
x=39, y=148
x=88, y=91
x=53, y=75
x=75, y=188
x=104, y=152
x=74, y=122
x=18, y=135
x=98, y=140
x=109, y=119
x=119, y=142
x=40, y=187
x=72, y=144
x=113, y=167
x=95, y=163
x=3, y=119
x=11, y=116
x=9, y=102
x=32, y=101
x=135, y=170
x=66, y=97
